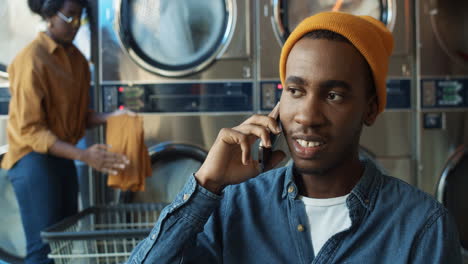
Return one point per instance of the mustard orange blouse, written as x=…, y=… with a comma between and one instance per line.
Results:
x=49, y=87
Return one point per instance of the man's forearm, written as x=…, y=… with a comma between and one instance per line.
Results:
x=178, y=225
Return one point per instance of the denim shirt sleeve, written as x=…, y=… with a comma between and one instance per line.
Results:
x=438, y=242
x=178, y=227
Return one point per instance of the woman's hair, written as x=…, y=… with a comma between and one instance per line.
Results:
x=48, y=8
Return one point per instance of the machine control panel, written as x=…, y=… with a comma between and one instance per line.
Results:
x=180, y=97
x=398, y=94
x=270, y=93
x=444, y=93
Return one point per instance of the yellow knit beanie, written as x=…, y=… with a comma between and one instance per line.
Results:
x=367, y=34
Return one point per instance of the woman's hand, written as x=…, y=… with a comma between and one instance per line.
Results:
x=98, y=157
x=229, y=160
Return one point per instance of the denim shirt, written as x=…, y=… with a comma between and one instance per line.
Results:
x=258, y=222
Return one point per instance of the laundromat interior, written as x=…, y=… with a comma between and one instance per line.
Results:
x=216, y=65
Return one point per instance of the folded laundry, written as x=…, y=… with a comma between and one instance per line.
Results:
x=125, y=135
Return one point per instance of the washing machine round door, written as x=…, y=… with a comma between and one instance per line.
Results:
x=172, y=165
x=451, y=191
x=449, y=22
x=288, y=14
x=18, y=27
x=177, y=37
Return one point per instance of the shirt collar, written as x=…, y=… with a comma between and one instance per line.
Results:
x=48, y=42
x=365, y=190
x=367, y=187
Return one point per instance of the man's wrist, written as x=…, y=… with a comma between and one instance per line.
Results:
x=208, y=184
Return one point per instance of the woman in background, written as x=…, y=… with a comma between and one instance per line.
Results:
x=49, y=85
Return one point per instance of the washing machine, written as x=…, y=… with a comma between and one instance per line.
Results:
x=443, y=103
x=18, y=27
x=186, y=66
x=391, y=137
x=442, y=84
x=181, y=56
x=451, y=191
x=173, y=163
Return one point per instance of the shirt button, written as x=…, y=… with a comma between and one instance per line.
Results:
x=291, y=189
x=186, y=196
x=153, y=237
x=300, y=228
x=366, y=201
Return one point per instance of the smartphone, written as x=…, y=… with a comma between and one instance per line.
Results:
x=264, y=154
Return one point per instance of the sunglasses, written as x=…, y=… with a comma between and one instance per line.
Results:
x=73, y=20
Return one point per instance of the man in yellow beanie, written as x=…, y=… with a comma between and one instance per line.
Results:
x=328, y=206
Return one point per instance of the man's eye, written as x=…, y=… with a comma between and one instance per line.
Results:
x=332, y=96
x=294, y=91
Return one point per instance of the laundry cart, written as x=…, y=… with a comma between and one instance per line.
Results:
x=102, y=234
x=109, y=233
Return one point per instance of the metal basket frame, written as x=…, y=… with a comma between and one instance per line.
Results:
x=101, y=234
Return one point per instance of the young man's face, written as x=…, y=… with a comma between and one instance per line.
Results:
x=325, y=103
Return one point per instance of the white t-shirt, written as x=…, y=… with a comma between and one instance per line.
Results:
x=326, y=218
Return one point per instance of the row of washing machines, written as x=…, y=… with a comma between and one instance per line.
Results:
x=192, y=67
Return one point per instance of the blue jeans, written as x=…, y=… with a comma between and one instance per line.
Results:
x=47, y=191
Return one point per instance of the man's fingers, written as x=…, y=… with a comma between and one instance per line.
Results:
x=264, y=121
x=257, y=131
x=275, y=112
x=234, y=137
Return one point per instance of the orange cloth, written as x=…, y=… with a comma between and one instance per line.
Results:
x=367, y=34
x=125, y=135
x=49, y=88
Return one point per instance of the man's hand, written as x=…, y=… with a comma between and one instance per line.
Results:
x=229, y=160
x=98, y=157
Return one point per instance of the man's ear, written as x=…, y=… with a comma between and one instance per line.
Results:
x=372, y=111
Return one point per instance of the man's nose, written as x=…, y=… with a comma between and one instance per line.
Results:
x=310, y=112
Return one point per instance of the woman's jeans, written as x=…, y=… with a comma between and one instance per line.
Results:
x=47, y=191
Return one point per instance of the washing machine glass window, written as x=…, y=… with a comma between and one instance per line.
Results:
x=288, y=14
x=449, y=23
x=172, y=165
x=177, y=37
x=18, y=27
x=452, y=188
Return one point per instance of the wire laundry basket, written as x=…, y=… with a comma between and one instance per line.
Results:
x=101, y=234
